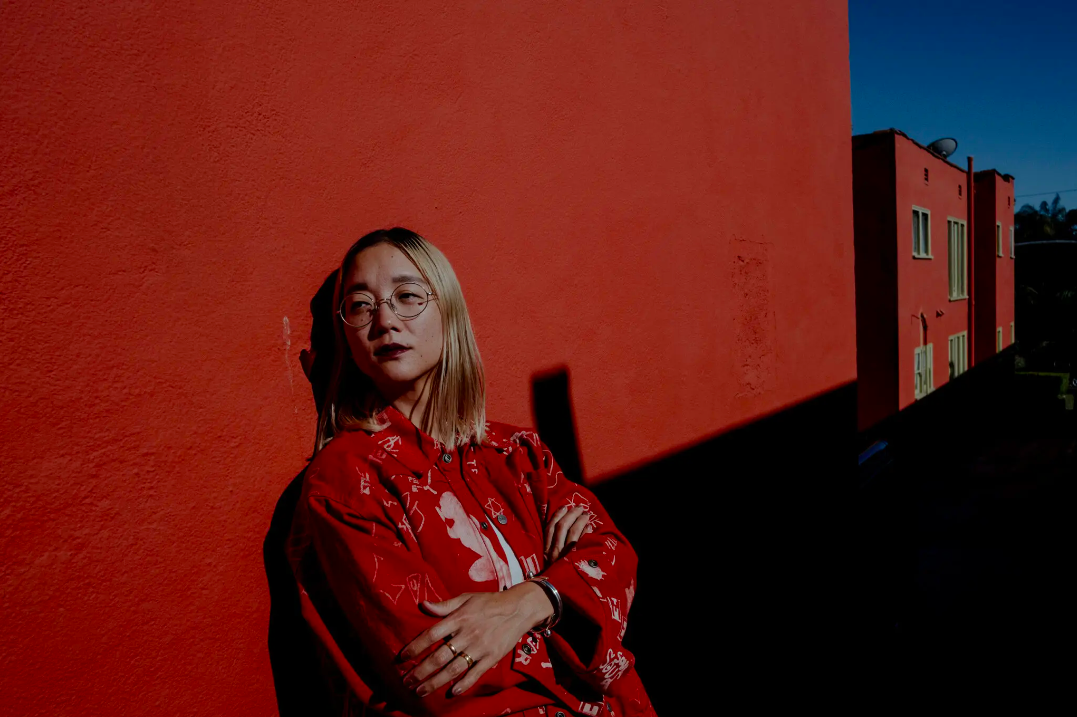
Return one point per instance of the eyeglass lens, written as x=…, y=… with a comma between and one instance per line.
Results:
x=407, y=302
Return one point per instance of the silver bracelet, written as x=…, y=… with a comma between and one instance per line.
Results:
x=555, y=598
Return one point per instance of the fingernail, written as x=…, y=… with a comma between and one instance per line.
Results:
x=422, y=691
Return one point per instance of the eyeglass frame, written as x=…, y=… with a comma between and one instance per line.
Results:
x=430, y=295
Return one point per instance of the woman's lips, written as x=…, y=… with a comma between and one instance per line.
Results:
x=391, y=351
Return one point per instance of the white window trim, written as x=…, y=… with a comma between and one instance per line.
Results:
x=922, y=255
x=1011, y=243
x=964, y=366
x=998, y=340
x=1013, y=336
x=964, y=260
x=926, y=356
x=998, y=239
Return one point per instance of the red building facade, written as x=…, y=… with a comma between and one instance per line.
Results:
x=995, y=328
x=914, y=276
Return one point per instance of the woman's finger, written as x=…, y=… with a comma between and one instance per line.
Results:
x=577, y=529
x=552, y=526
x=563, y=527
x=445, y=607
x=431, y=635
x=434, y=662
x=470, y=677
x=453, y=670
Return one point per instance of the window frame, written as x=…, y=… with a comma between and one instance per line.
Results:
x=963, y=295
x=998, y=239
x=1013, y=336
x=1012, y=255
x=925, y=355
x=998, y=340
x=956, y=369
x=922, y=254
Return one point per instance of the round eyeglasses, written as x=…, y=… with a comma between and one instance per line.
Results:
x=407, y=301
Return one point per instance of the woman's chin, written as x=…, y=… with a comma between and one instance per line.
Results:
x=397, y=375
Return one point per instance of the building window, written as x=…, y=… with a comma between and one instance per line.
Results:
x=998, y=239
x=959, y=190
x=924, y=381
x=956, y=245
x=998, y=340
x=921, y=233
x=1013, y=337
x=959, y=354
x=925, y=175
x=1011, y=243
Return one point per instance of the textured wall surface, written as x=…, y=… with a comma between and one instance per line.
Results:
x=656, y=196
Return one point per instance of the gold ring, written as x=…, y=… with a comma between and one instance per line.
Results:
x=451, y=648
x=470, y=660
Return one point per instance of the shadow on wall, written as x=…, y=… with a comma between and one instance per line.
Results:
x=741, y=583
x=737, y=539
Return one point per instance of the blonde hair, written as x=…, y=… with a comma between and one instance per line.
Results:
x=456, y=410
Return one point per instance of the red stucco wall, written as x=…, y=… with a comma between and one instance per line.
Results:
x=1004, y=265
x=875, y=227
x=994, y=298
x=986, y=261
x=923, y=284
x=657, y=196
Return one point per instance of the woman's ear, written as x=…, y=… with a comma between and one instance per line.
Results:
x=306, y=359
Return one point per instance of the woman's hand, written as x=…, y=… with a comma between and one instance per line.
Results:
x=564, y=529
x=485, y=626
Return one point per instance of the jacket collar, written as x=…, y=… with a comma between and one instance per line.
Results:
x=401, y=439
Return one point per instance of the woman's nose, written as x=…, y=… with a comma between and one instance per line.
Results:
x=383, y=315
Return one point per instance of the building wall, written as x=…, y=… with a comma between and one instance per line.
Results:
x=986, y=262
x=923, y=284
x=875, y=222
x=1004, y=265
x=620, y=186
x=994, y=299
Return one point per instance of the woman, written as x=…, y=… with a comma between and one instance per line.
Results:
x=445, y=563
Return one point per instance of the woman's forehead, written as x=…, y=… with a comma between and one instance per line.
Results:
x=381, y=265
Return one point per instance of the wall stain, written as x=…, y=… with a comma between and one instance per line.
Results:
x=753, y=318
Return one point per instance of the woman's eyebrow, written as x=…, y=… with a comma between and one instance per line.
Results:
x=398, y=279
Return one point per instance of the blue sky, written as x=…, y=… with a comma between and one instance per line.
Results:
x=1000, y=77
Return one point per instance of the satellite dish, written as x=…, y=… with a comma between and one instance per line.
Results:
x=943, y=147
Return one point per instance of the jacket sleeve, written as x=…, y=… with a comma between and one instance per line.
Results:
x=596, y=578
x=374, y=570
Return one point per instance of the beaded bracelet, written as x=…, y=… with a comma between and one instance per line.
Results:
x=555, y=598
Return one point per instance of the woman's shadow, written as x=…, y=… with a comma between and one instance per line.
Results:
x=293, y=651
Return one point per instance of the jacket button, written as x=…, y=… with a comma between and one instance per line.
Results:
x=485, y=526
x=446, y=457
x=527, y=649
x=501, y=518
x=593, y=563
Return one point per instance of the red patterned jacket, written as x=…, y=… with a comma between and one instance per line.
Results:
x=388, y=519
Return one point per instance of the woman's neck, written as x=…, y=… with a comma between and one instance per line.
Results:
x=411, y=400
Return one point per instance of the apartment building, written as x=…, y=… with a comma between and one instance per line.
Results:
x=913, y=278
